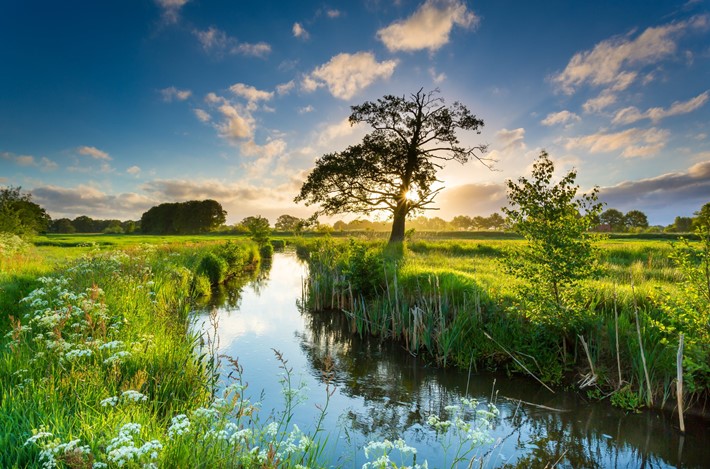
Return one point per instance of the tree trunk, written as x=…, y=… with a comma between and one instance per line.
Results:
x=400, y=216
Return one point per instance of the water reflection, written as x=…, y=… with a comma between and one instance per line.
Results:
x=384, y=392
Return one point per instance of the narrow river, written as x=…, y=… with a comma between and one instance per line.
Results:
x=383, y=392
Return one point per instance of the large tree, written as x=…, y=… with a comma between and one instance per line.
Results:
x=394, y=168
x=19, y=215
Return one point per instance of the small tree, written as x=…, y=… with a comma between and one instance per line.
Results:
x=702, y=217
x=286, y=223
x=259, y=229
x=614, y=218
x=555, y=221
x=635, y=219
x=394, y=168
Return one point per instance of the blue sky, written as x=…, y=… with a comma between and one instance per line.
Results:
x=108, y=108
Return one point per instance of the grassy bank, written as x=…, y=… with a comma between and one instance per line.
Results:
x=452, y=301
x=100, y=367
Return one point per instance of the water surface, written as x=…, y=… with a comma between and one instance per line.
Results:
x=381, y=391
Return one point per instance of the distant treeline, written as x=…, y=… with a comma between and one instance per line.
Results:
x=84, y=224
x=183, y=217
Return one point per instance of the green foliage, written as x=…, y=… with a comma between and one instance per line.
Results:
x=266, y=251
x=287, y=223
x=555, y=222
x=19, y=215
x=614, y=218
x=258, y=228
x=635, y=219
x=627, y=399
x=398, y=159
x=182, y=217
x=213, y=267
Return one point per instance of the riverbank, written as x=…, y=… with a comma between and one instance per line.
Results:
x=453, y=303
x=100, y=367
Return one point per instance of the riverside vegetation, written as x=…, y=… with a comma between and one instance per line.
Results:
x=101, y=368
x=457, y=303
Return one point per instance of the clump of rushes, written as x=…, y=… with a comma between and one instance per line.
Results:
x=445, y=300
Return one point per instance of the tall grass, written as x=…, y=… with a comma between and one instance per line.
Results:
x=441, y=298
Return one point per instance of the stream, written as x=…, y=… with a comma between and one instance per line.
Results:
x=381, y=391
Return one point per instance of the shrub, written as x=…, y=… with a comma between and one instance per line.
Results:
x=266, y=251
x=213, y=267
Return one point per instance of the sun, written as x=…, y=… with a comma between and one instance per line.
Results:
x=412, y=195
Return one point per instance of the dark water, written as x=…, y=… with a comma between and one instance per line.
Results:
x=383, y=392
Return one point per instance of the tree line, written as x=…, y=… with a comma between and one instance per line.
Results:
x=20, y=216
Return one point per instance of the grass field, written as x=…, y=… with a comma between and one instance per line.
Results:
x=455, y=302
x=99, y=367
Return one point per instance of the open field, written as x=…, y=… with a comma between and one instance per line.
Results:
x=455, y=302
x=99, y=365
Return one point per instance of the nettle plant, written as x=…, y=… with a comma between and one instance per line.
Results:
x=560, y=252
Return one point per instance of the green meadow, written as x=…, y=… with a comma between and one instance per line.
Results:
x=101, y=369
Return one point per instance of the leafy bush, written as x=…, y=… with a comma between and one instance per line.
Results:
x=213, y=267
x=266, y=251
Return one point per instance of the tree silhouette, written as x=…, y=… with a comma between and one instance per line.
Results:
x=393, y=169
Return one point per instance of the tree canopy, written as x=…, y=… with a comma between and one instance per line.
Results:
x=19, y=215
x=394, y=168
x=183, y=217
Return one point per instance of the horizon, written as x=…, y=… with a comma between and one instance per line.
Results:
x=108, y=109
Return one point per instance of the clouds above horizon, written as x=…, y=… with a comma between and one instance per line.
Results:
x=94, y=153
x=345, y=75
x=657, y=194
x=617, y=62
x=215, y=41
x=428, y=28
x=634, y=142
x=630, y=115
x=220, y=98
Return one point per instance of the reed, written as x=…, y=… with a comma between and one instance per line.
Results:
x=440, y=298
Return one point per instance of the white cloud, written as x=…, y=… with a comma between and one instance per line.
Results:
x=212, y=98
x=333, y=13
x=562, y=117
x=216, y=41
x=605, y=99
x=259, y=49
x=25, y=160
x=269, y=150
x=511, y=140
x=91, y=201
x=171, y=9
x=202, y=115
x=634, y=142
x=47, y=165
x=347, y=74
x=94, y=153
x=299, y=31
x=631, y=114
x=250, y=93
x=612, y=62
x=437, y=78
x=171, y=93
x=306, y=109
x=134, y=170
x=237, y=125
x=428, y=28
x=285, y=88
x=335, y=131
